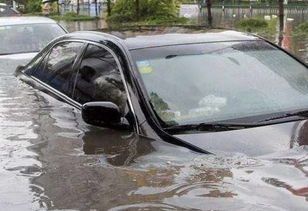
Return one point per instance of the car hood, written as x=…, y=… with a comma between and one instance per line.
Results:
x=252, y=141
x=8, y=63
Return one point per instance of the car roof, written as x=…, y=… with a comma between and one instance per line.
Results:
x=139, y=42
x=7, y=21
x=133, y=41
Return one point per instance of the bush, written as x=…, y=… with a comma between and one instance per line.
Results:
x=253, y=23
x=301, y=31
x=303, y=27
x=149, y=10
x=259, y=26
x=72, y=16
x=34, y=6
x=166, y=20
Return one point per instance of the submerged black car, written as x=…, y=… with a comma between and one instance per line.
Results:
x=221, y=91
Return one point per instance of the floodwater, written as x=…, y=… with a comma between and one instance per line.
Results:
x=50, y=159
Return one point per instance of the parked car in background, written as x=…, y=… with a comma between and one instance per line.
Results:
x=23, y=37
x=217, y=92
x=5, y=11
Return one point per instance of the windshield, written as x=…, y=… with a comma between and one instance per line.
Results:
x=27, y=38
x=203, y=83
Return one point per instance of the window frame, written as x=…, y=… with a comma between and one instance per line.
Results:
x=76, y=66
x=51, y=89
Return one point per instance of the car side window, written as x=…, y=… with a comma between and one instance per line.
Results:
x=56, y=69
x=99, y=78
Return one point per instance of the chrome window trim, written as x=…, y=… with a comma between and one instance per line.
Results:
x=77, y=104
x=58, y=93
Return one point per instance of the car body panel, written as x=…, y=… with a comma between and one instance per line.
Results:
x=7, y=21
x=18, y=56
x=252, y=141
x=180, y=39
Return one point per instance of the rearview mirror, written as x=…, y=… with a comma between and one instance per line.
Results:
x=104, y=114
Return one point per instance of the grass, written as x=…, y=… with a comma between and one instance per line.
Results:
x=175, y=21
x=259, y=26
x=301, y=31
x=253, y=23
x=303, y=27
x=71, y=16
x=33, y=14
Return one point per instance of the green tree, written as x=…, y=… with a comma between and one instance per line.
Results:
x=209, y=12
x=133, y=10
x=5, y=1
x=108, y=7
x=34, y=6
x=96, y=11
x=24, y=2
x=78, y=7
x=137, y=10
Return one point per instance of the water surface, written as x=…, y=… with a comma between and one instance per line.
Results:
x=50, y=159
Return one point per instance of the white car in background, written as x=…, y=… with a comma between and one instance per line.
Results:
x=21, y=38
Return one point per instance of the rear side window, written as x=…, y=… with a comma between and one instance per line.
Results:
x=56, y=69
x=99, y=78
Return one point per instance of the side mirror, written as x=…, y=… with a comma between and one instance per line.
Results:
x=104, y=114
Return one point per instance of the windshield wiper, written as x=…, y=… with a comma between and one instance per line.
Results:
x=177, y=55
x=223, y=126
x=218, y=126
x=301, y=113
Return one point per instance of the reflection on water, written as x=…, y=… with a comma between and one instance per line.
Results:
x=119, y=148
x=51, y=160
x=18, y=165
x=83, y=25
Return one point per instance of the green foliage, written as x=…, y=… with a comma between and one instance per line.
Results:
x=303, y=27
x=301, y=31
x=149, y=10
x=186, y=1
x=34, y=6
x=72, y=16
x=259, y=26
x=253, y=23
x=165, y=21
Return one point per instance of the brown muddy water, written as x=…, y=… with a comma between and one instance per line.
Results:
x=50, y=159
